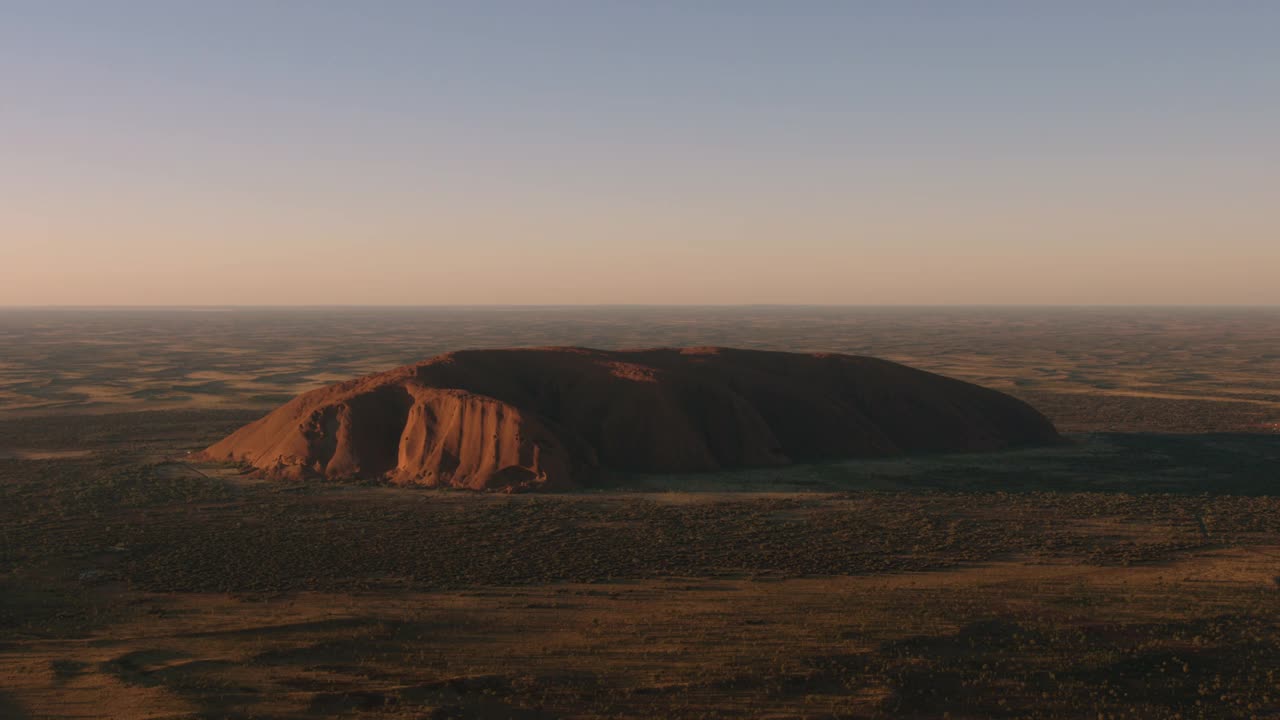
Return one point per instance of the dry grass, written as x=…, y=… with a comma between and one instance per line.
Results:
x=1128, y=574
x=132, y=585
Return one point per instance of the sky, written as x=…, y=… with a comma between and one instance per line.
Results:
x=691, y=152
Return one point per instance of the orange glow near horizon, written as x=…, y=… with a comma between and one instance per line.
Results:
x=201, y=156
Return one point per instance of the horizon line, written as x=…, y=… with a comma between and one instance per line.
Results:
x=424, y=306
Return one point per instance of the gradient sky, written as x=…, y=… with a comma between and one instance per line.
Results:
x=222, y=152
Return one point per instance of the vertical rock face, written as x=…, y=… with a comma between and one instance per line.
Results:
x=557, y=418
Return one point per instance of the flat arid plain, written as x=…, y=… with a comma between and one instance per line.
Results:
x=1131, y=572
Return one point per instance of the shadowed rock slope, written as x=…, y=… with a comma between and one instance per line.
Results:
x=559, y=418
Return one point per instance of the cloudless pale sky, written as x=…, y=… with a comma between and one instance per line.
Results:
x=246, y=152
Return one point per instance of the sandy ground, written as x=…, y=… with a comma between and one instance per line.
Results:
x=1130, y=574
x=679, y=646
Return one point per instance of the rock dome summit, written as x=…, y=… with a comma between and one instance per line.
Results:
x=564, y=418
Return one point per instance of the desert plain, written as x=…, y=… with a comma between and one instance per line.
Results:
x=1131, y=572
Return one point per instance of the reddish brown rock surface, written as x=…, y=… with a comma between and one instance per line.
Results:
x=559, y=418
